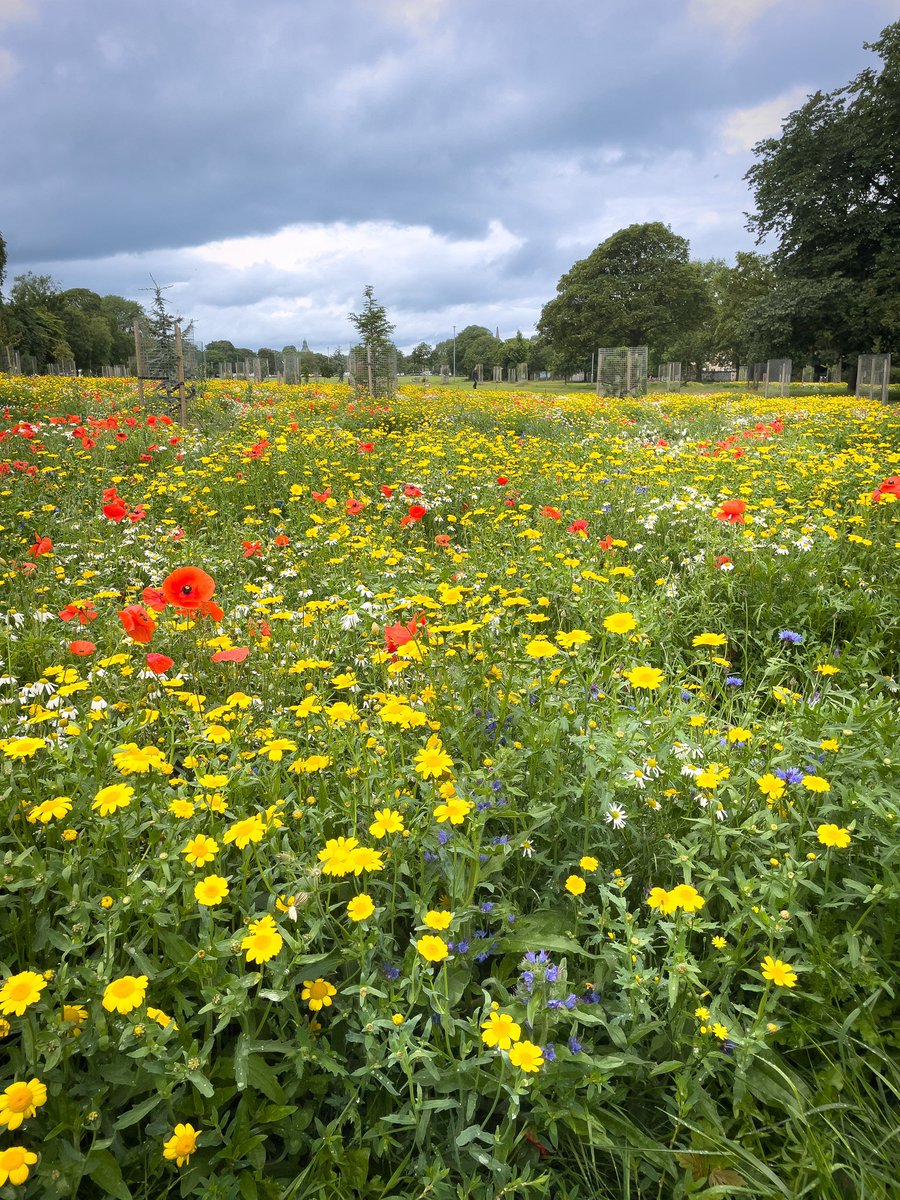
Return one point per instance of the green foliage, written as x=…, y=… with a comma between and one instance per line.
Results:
x=827, y=189
x=638, y=287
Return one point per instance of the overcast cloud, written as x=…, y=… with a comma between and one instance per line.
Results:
x=269, y=160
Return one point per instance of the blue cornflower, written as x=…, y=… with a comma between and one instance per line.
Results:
x=733, y=681
x=686, y=695
x=788, y=635
x=444, y=836
x=496, y=785
x=570, y=1001
x=391, y=972
x=462, y=947
x=482, y=805
x=790, y=774
x=554, y=1004
x=487, y=907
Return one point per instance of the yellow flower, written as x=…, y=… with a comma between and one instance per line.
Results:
x=815, y=783
x=432, y=948
x=738, y=734
x=19, y=991
x=182, y=809
x=50, y=810
x=335, y=857
x=263, y=941
x=778, y=972
x=211, y=891
x=435, y=919
x=22, y=747
x=217, y=734
x=340, y=712
x=397, y=1018
x=830, y=744
x=455, y=810
x=126, y=994
x=575, y=637
x=387, y=820
x=661, y=899
x=827, y=669
x=834, y=835
x=181, y=1145
x=433, y=761
x=14, y=1164
x=619, y=622
x=360, y=907
x=161, y=1018
x=575, y=885
x=709, y=639
x=132, y=759
x=242, y=833
x=686, y=897
x=647, y=678
x=317, y=993
x=527, y=1056
x=20, y=1101
x=540, y=648
x=588, y=863
x=364, y=858
x=110, y=799
x=274, y=750
x=719, y=943
x=771, y=786
x=200, y=850
x=500, y=1030
x=74, y=1014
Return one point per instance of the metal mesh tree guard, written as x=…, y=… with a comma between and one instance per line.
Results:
x=778, y=377
x=376, y=374
x=670, y=372
x=498, y=374
x=622, y=371
x=873, y=375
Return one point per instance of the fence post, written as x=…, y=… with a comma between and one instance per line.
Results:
x=179, y=366
x=139, y=361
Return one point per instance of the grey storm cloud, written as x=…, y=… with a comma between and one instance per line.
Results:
x=487, y=145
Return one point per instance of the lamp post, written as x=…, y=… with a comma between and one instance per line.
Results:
x=454, y=351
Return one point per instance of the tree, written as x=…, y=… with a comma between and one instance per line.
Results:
x=375, y=331
x=34, y=321
x=638, y=287
x=829, y=189
x=161, y=353
x=2, y=265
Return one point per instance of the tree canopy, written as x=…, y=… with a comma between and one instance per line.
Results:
x=638, y=287
x=828, y=188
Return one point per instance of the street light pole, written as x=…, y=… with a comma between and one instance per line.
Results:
x=454, y=351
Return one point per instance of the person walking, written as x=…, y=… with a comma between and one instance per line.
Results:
x=475, y=380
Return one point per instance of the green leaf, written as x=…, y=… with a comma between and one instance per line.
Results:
x=135, y=1114
x=105, y=1171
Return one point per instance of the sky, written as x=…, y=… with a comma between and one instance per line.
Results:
x=265, y=161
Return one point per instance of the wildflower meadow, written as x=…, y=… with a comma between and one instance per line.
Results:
x=458, y=795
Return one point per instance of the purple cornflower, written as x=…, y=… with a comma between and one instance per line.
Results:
x=790, y=774
x=733, y=681
x=487, y=907
x=788, y=635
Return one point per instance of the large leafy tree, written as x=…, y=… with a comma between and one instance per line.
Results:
x=828, y=188
x=638, y=287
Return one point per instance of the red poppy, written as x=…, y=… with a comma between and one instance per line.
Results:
x=177, y=535
x=322, y=496
x=396, y=636
x=552, y=513
x=412, y=492
x=386, y=491
x=252, y=549
x=606, y=542
x=732, y=511
x=366, y=447
x=210, y=609
x=116, y=510
x=888, y=487
x=722, y=560
x=188, y=588
x=354, y=507
x=282, y=540
x=153, y=598
x=578, y=527
x=237, y=655
x=137, y=514
x=442, y=539
x=502, y=480
x=42, y=545
x=159, y=663
x=82, y=648
x=137, y=623
x=415, y=513
x=84, y=612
